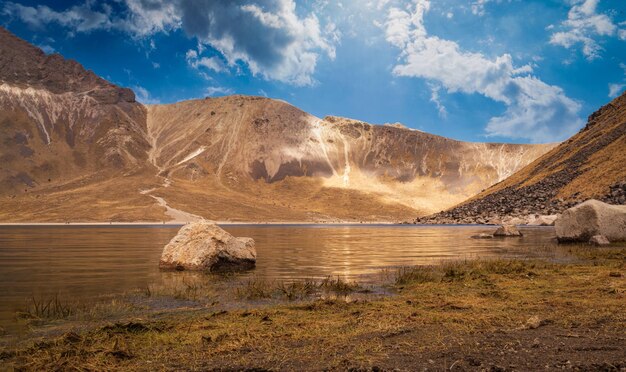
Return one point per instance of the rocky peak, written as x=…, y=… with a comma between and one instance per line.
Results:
x=25, y=65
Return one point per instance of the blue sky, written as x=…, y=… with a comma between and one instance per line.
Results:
x=474, y=70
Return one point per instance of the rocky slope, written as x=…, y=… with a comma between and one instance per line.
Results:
x=248, y=145
x=76, y=147
x=591, y=164
x=59, y=121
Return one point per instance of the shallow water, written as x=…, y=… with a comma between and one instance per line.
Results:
x=90, y=261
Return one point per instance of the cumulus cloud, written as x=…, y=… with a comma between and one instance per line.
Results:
x=534, y=110
x=583, y=26
x=268, y=36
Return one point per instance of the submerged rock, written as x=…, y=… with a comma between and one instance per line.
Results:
x=482, y=236
x=593, y=217
x=205, y=246
x=599, y=240
x=507, y=230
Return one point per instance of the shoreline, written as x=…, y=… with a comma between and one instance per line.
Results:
x=475, y=315
x=182, y=223
x=246, y=223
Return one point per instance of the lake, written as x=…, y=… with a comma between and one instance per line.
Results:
x=83, y=262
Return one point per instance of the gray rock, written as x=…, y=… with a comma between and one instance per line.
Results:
x=506, y=231
x=599, y=240
x=205, y=246
x=593, y=217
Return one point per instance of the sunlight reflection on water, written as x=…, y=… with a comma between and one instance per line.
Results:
x=84, y=262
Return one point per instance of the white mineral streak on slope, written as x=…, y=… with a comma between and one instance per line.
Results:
x=346, y=170
x=317, y=130
x=192, y=155
x=504, y=163
x=45, y=107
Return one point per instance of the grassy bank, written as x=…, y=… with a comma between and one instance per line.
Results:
x=496, y=314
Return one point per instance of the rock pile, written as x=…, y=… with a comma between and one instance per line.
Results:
x=533, y=205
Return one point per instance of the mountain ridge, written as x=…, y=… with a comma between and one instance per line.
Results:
x=77, y=147
x=588, y=165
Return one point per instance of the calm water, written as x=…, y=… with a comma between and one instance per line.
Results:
x=85, y=262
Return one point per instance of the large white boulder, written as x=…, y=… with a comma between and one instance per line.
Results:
x=205, y=246
x=593, y=217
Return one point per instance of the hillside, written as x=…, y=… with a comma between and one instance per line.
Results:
x=78, y=148
x=591, y=164
x=268, y=159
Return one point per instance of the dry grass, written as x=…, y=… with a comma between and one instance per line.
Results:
x=530, y=313
x=256, y=288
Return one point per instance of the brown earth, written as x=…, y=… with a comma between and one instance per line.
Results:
x=588, y=165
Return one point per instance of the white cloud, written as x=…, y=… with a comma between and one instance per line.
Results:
x=276, y=43
x=144, y=96
x=217, y=91
x=534, y=110
x=583, y=26
x=615, y=89
x=80, y=18
x=47, y=48
x=269, y=36
x=434, y=98
x=478, y=7
x=211, y=63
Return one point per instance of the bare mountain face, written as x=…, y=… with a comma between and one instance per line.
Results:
x=591, y=164
x=58, y=120
x=78, y=148
x=267, y=153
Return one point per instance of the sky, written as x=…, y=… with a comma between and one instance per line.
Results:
x=520, y=71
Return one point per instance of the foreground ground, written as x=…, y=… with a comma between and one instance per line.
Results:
x=565, y=312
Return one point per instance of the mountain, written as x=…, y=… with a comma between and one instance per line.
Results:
x=78, y=148
x=591, y=164
x=271, y=160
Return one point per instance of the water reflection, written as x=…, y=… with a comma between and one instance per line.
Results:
x=83, y=262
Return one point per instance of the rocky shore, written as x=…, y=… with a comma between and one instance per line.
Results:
x=527, y=205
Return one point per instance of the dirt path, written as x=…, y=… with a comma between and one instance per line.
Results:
x=177, y=215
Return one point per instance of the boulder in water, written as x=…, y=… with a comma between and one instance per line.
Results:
x=593, y=217
x=205, y=246
x=506, y=231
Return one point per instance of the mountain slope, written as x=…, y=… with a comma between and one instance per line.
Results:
x=53, y=109
x=591, y=164
x=294, y=164
x=78, y=148
x=63, y=130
